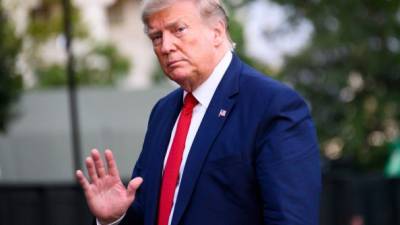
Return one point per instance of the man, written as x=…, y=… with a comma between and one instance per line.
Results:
x=229, y=147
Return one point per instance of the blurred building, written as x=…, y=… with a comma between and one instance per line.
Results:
x=37, y=147
x=106, y=21
x=119, y=21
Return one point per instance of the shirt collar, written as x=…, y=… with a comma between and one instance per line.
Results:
x=205, y=91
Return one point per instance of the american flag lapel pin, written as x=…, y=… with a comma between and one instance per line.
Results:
x=222, y=113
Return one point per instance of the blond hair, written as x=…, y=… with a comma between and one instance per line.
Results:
x=210, y=10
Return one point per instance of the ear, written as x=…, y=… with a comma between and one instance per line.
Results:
x=219, y=32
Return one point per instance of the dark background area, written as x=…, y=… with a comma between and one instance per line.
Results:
x=346, y=199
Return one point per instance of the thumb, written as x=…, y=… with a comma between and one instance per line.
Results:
x=133, y=185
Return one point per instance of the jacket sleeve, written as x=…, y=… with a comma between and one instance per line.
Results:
x=288, y=162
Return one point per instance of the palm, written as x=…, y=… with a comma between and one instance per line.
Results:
x=107, y=197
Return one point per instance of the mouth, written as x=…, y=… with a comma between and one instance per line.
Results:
x=174, y=63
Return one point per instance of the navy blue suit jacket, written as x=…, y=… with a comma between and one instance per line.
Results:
x=258, y=164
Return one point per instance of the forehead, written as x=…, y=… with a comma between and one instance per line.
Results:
x=181, y=11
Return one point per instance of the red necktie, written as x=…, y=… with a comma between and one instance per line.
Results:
x=171, y=170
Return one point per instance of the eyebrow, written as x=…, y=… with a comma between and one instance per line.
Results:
x=149, y=31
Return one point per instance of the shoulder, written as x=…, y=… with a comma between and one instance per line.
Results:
x=265, y=90
x=171, y=98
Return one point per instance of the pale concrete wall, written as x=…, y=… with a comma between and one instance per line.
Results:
x=38, y=147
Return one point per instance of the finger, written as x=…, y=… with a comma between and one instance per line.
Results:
x=98, y=163
x=111, y=164
x=82, y=180
x=133, y=185
x=91, y=170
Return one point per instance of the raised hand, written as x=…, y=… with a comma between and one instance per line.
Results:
x=106, y=195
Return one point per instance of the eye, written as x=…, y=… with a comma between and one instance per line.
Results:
x=180, y=30
x=156, y=39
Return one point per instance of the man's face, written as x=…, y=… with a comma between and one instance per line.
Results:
x=184, y=43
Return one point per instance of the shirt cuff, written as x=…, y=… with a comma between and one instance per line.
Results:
x=113, y=223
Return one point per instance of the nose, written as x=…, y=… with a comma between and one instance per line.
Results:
x=168, y=43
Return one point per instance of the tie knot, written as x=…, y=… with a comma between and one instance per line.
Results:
x=189, y=102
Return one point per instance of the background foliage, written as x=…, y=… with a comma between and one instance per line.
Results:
x=10, y=81
x=350, y=73
x=102, y=64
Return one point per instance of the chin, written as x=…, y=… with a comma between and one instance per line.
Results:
x=179, y=76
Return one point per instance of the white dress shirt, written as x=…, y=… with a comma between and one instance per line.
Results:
x=203, y=94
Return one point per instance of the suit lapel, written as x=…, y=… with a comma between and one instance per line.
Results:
x=162, y=137
x=213, y=121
